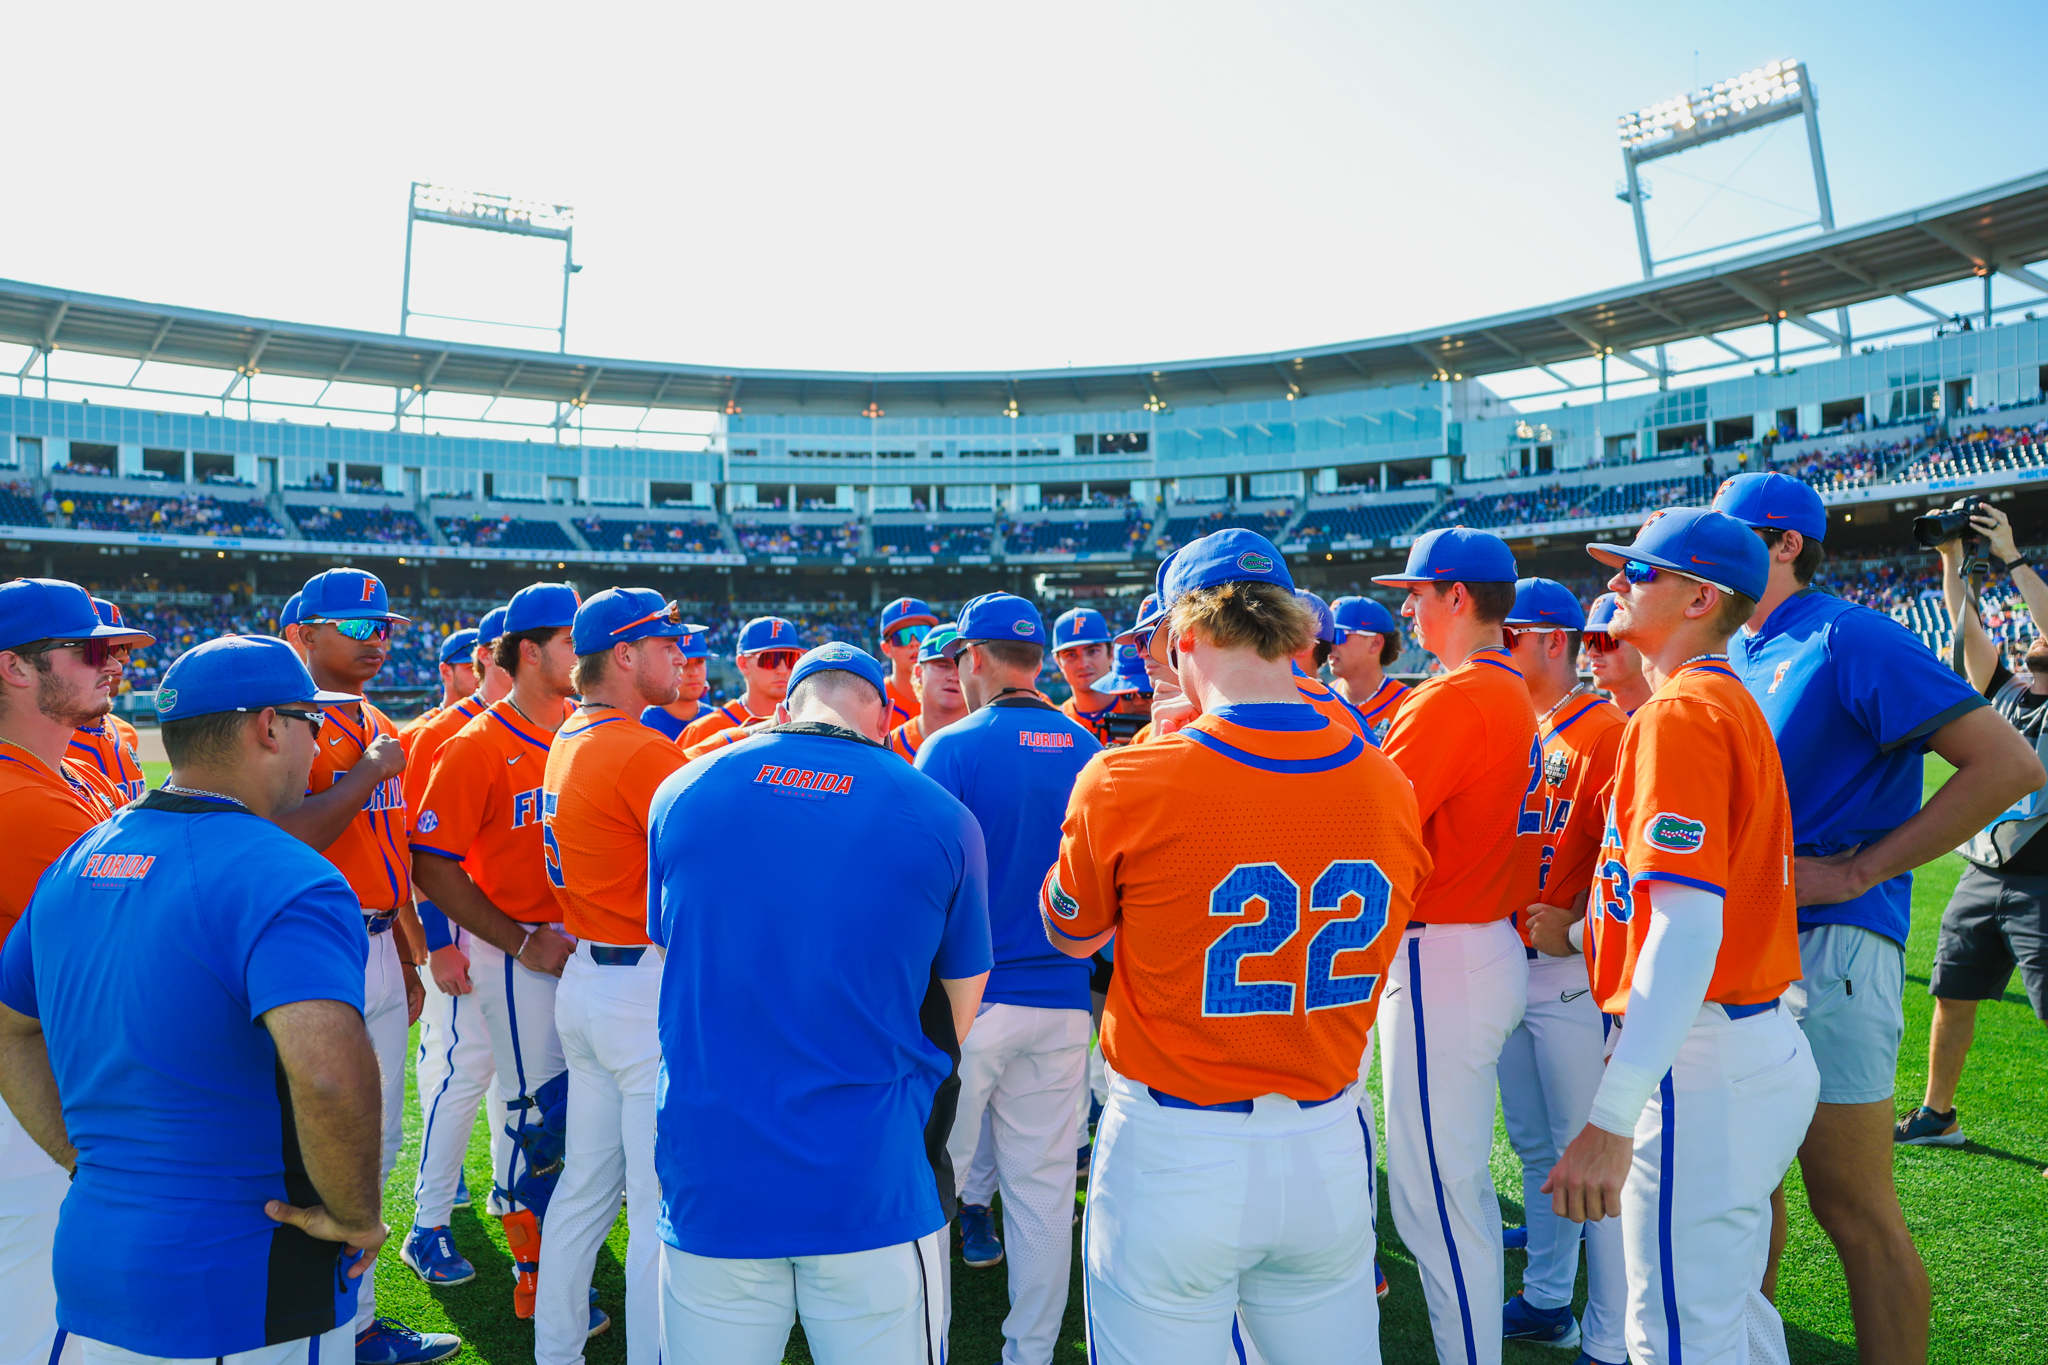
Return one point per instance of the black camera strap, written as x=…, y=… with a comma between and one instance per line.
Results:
x=1976, y=569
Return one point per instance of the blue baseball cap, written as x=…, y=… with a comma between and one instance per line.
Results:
x=619, y=616
x=1129, y=675
x=345, y=595
x=1326, y=622
x=1601, y=617
x=51, y=609
x=906, y=611
x=695, y=641
x=998, y=616
x=768, y=632
x=1773, y=502
x=1079, y=626
x=933, y=646
x=1455, y=554
x=1363, y=614
x=1233, y=555
x=1699, y=543
x=541, y=606
x=491, y=627
x=1148, y=616
x=1545, y=602
x=844, y=657
x=459, y=646
x=288, y=614
x=237, y=673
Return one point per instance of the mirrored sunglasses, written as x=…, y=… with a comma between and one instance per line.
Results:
x=96, y=651
x=1598, y=642
x=1637, y=572
x=909, y=635
x=777, y=658
x=361, y=631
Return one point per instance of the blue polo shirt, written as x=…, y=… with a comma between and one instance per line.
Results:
x=1013, y=763
x=807, y=886
x=1851, y=696
x=654, y=718
x=149, y=952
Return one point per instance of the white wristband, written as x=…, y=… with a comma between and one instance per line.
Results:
x=1577, y=934
x=521, y=952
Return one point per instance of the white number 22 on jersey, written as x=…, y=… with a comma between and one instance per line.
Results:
x=1223, y=993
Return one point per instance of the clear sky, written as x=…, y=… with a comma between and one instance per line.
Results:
x=955, y=186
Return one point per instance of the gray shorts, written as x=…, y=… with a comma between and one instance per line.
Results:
x=1994, y=922
x=1850, y=1001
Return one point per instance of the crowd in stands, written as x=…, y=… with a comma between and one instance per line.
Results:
x=196, y=515
x=361, y=525
x=504, y=533
x=1556, y=502
x=934, y=539
x=1852, y=467
x=1982, y=450
x=321, y=483
x=1061, y=502
x=1073, y=537
x=651, y=537
x=806, y=539
x=1369, y=521
x=18, y=505
x=90, y=471
x=1181, y=530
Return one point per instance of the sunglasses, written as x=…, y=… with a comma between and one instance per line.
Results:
x=777, y=658
x=1598, y=642
x=671, y=613
x=359, y=631
x=1637, y=572
x=909, y=635
x=96, y=652
x=314, y=719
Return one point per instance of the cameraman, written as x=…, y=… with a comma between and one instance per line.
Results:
x=1994, y=921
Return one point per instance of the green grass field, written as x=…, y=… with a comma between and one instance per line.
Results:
x=1979, y=1214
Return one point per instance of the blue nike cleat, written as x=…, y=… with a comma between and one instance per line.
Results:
x=599, y=1319
x=431, y=1254
x=387, y=1341
x=1515, y=1239
x=1523, y=1321
x=462, y=1190
x=978, y=1244
x=1379, y=1281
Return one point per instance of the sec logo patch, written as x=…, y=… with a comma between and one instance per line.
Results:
x=429, y=822
x=1675, y=833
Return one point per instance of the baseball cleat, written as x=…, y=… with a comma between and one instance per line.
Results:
x=462, y=1191
x=1516, y=1238
x=387, y=1341
x=431, y=1254
x=1926, y=1128
x=978, y=1244
x=1379, y=1281
x=599, y=1319
x=1523, y=1321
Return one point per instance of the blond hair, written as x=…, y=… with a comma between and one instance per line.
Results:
x=1246, y=615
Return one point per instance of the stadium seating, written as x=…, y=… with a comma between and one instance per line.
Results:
x=18, y=505
x=1072, y=537
x=1181, y=530
x=1371, y=521
x=504, y=533
x=361, y=525
x=805, y=540
x=1557, y=502
x=198, y=515
x=1694, y=490
x=652, y=537
x=1851, y=467
x=1983, y=452
x=941, y=539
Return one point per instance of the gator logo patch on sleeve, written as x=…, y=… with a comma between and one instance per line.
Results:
x=1063, y=905
x=1675, y=833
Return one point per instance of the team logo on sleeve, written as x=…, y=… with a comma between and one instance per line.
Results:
x=1556, y=768
x=1063, y=905
x=1675, y=833
x=429, y=822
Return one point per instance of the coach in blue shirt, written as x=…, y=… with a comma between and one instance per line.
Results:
x=797, y=1078
x=1855, y=701
x=1013, y=762
x=181, y=1025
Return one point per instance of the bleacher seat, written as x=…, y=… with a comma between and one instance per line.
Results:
x=805, y=540
x=505, y=533
x=1371, y=521
x=199, y=515
x=1181, y=530
x=652, y=537
x=1072, y=537
x=18, y=506
x=361, y=525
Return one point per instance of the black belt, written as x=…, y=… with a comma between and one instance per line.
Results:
x=604, y=955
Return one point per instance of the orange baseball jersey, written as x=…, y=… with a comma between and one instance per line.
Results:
x=903, y=704
x=372, y=851
x=44, y=813
x=732, y=734
x=729, y=716
x=1467, y=741
x=112, y=755
x=1383, y=705
x=601, y=776
x=907, y=738
x=1258, y=876
x=1565, y=812
x=1698, y=800
x=1144, y=733
x=482, y=808
x=1317, y=694
x=1095, y=723
x=426, y=737
x=128, y=735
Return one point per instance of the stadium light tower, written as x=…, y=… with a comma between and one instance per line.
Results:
x=491, y=213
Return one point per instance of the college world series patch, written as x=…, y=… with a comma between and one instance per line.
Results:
x=1674, y=833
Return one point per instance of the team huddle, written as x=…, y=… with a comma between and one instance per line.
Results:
x=1149, y=938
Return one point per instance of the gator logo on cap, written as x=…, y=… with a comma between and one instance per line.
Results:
x=1675, y=833
x=1722, y=491
x=166, y=699
x=836, y=652
x=1063, y=905
x=1654, y=515
x=1024, y=628
x=1251, y=561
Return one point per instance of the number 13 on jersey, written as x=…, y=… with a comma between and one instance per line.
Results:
x=1356, y=892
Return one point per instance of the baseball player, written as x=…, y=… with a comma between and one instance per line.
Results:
x=936, y=680
x=1306, y=663
x=354, y=812
x=110, y=744
x=288, y=621
x=1691, y=938
x=58, y=672
x=181, y=1028
x=1550, y=1066
x=1081, y=651
x=1368, y=642
x=456, y=663
x=1467, y=740
x=478, y=854
x=670, y=718
x=601, y=777
x=1616, y=667
x=1012, y=762
x=768, y=648
x=1256, y=868
x=813, y=1195
x=903, y=626
x=1131, y=685
x=455, y=1066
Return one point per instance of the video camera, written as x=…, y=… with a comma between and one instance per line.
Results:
x=1939, y=528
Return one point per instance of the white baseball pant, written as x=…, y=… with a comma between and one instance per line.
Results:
x=384, y=1016
x=1714, y=1141
x=979, y=1186
x=879, y=1307
x=1025, y=1066
x=454, y=1071
x=1549, y=1070
x=31, y=1189
x=329, y=1348
x=1196, y=1215
x=1454, y=993
x=518, y=1006
x=606, y=1017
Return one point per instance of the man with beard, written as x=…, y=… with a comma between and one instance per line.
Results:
x=670, y=718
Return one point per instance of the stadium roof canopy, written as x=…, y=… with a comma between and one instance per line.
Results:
x=2002, y=228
